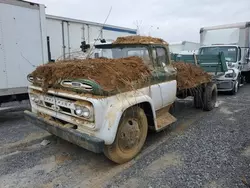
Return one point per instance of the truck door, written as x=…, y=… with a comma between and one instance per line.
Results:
x=168, y=88
x=240, y=59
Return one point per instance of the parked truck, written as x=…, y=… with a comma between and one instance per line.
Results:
x=97, y=112
x=233, y=40
x=22, y=47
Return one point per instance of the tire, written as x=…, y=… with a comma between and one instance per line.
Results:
x=198, y=99
x=130, y=137
x=209, y=96
x=247, y=77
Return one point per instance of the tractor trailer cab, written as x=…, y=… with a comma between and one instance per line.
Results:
x=230, y=80
x=233, y=40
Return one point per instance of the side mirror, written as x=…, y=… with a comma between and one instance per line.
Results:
x=247, y=57
x=84, y=46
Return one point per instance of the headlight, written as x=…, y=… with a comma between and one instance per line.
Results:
x=230, y=65
x=82, y=111
x=230, y=75
x=30, y=78
x=78, y=111
x=35, y=98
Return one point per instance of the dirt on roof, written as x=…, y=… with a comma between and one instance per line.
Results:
x=110, y=74
x=139, y=40
x=190, y=76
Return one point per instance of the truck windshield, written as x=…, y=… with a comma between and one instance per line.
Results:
x=230, y=52
x=121, y=52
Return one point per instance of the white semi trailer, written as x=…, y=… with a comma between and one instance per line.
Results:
x=22, y=47
x=184, y=47
x=233, y=40
x=64, y=35
x=29, y=38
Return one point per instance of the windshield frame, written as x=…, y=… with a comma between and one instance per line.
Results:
x=122, y=46
x=149, y=47
x=236, y=51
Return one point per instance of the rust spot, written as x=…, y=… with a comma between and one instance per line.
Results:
x=83, y=103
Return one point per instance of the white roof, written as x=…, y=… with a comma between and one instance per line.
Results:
x=90, y=23
x=227, y=26
x=182, y=42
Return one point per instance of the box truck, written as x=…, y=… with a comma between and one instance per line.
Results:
x=233, y=40
x=29, y=38
x=22, y=47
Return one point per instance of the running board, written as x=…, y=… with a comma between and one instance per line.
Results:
x=164, y=118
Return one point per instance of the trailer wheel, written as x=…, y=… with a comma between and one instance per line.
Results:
x=198, y=99
x=247, y=77
x=210, y=96
x=130, y=136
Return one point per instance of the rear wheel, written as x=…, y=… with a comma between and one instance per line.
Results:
x=130, y=136
x=198, y=99
x=209, y=96
x=247, y=77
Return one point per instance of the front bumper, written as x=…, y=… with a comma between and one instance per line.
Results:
x=90, y=143
x=225, y=85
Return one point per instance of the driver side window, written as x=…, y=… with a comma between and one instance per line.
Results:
x=161, y=56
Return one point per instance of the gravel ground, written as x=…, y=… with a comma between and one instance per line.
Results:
x=202, y=149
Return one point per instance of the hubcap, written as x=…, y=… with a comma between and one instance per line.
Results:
x=129, y=135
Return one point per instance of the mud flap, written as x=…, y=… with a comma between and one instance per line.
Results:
x=163, y=120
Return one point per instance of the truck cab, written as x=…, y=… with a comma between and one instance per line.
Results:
x=231, y=80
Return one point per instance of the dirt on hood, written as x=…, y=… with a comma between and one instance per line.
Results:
x=190, y=75
x=110, y=74
x=139, y=40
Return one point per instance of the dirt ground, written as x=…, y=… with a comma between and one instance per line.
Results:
x=115, y=74
x=190, y=76
x=111, y=74
x=138, y=40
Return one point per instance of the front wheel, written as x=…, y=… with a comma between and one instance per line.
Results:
x=247, y=77
x=130, y=136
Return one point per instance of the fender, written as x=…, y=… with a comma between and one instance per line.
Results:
x=115, y=111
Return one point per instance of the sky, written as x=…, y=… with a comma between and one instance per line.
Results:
x=172, y=20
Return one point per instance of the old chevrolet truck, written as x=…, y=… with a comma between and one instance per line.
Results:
x=116, y=124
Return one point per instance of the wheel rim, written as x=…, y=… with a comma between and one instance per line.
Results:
x=129, y=136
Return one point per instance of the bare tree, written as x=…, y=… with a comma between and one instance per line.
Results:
x=138, y=24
